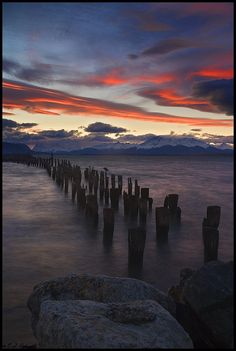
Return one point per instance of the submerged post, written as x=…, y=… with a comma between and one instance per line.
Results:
x=162, y=222
x=142, y=211
x=210, y=233
x=108, y=222
x=136, y=242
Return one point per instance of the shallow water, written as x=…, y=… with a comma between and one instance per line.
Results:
x=45, y=235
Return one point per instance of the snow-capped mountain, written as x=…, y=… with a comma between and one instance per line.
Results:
x=160, y=141
x=172, y=142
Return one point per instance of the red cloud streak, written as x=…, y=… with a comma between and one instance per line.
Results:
x=214, y=73
x=35, y=99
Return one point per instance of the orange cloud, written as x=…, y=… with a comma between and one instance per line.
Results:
x=118, y=77
x=214, y=73
x=34, y=99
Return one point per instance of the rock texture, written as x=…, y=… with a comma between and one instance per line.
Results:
x=89, y=324
x=88, y=311
x=205, y=304
x=96, y=288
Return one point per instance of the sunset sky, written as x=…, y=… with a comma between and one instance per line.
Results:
x=139, y=68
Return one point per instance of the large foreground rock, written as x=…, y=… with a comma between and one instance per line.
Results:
x=89, y=324
x=207, y=298
x=88, y=311
x=96, y=288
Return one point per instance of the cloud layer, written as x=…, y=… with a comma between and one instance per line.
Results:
x=35, y=99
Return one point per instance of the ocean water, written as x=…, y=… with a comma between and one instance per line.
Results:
x=45, y=235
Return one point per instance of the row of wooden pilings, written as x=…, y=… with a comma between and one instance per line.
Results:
x=137, y=204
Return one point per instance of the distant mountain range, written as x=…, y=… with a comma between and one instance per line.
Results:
x=163, y=150
x=158, y=145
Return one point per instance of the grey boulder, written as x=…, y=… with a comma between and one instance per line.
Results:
x=90, y=324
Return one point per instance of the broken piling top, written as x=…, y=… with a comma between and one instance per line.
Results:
x=144, y=193
x=172, y=200
x=213, y=216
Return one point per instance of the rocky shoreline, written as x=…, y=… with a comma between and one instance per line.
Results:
x=86, y=311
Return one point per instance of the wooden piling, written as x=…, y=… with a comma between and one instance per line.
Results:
x=66, y=183
x=210, y=237
x=129, y=186
x=114, y=196
x=106, y=193
x=162, y=222
x=150, y=202
x=142, y=211
x=73, y=190
x=108, y=221
x=133, y=206
x=120, y=183
x=144, y=193
x=213, y=216
x=173, y=202
x=113, y=181
x=126, y=203
x=136, y=188
x=136, y=242
x=91, y=208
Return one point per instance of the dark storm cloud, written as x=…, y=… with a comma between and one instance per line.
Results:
x=167, y=45
x=132, y=56
x=8, y=123
x=99, y=127
x=39, y=72
x=218, y=92
x=62, y=133
x=164, y=47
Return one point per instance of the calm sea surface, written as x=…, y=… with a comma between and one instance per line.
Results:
x=45, y=235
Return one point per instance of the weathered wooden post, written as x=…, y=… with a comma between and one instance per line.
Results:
x=113, y=181
x=120, y=183
x=53, y=172
x=213, y=216
x=106, y=193
x=162, y=222
x=129, y=186
x=166, y=202
x=150, y=202
x=107, y=182
x=81, y=197
x=126, y=203
x=73, y=190
x=66, y=182
x=144, y=193
x=114, y=196
x=173, y=202
x=210, y=233
x=211, y=242
x=136, y=242
x=101, y=185
x=136, y=188
x=142, y=211
x=133, y=206
x=108, y=221
x=91, y=209
x=96, y=183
